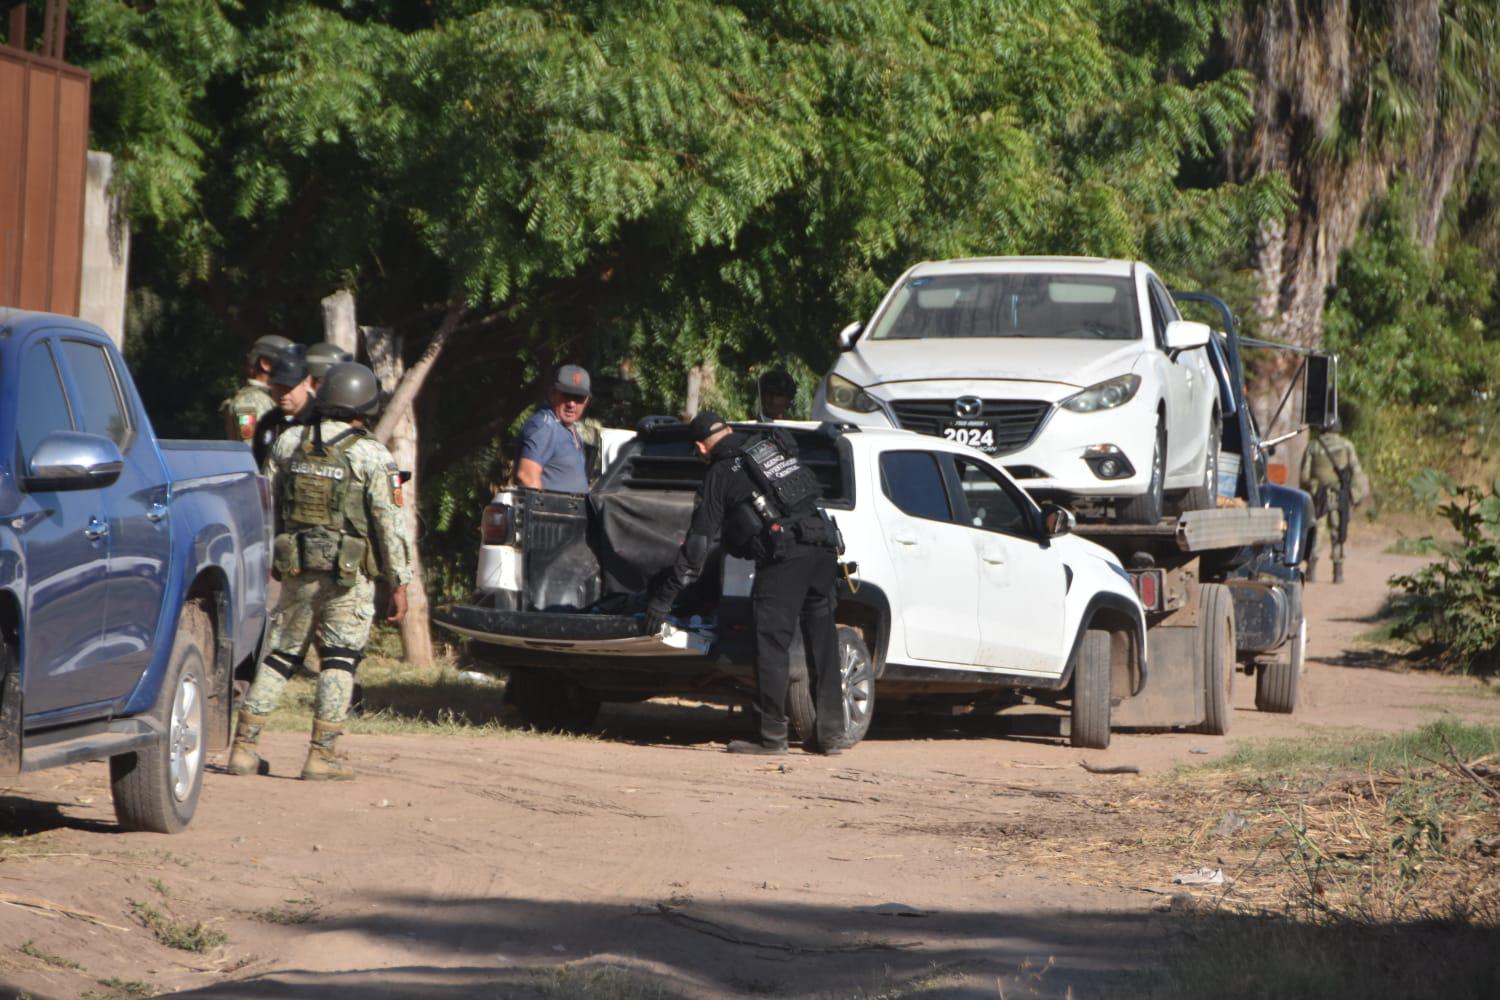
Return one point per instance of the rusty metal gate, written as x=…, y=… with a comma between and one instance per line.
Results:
x=44, y=132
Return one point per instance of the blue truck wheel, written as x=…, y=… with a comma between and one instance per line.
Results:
x=156, y=789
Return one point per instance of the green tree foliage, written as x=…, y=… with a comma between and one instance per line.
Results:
x=673, y=182
x=1418, y=335
x=1414, y=325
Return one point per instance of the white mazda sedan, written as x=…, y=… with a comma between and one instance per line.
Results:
x=1078, y=374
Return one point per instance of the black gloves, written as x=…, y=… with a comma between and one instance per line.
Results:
x=658, y=613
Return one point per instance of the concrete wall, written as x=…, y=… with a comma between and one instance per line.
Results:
x=106, y=251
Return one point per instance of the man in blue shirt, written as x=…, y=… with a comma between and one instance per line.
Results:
x=550, y=453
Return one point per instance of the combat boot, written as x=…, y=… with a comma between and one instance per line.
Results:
x=323, y=762
x=242, y=758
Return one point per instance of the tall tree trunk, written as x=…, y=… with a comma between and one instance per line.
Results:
x=384, y=350
x=1323, y=69
x=340, y=327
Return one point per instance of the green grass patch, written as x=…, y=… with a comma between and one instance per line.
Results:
x=179, y=934
x=56, y=961
x=596, y=982
x=1358, y=749
x=296, y=911
x=123, y=989
x=400, y=699
x=1412, y=545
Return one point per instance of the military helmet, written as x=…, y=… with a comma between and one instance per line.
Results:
x=289, y=367
x=323, y=356
x=777, y=382
x=268, y=347
x=348, y=390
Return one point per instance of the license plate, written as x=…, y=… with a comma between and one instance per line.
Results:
x=974, y=433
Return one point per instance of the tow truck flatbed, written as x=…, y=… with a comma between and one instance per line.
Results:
x=1197, y=530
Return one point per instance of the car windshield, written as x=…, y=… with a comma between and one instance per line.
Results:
x=1068, y=306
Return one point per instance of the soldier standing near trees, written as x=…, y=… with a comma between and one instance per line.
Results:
x=337, y=496
x=253, y=400
x=1332, y=474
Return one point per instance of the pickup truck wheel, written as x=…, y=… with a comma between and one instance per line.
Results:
x=1217, y=650
x=857, y=672
x=157, y=789
x=1147, y=508
x=1204, y=496
x=1276, y=683
x=1091, y=683
x=551, y=704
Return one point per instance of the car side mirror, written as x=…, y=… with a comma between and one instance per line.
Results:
x=1184, y=335
x=1320, y=396
x=1058, y=520
x=70, y=460
x=847, y=335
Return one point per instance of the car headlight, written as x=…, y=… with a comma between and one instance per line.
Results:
x=847, y=396
x=1105, y=396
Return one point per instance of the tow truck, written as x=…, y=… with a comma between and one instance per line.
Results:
x=1222, y=588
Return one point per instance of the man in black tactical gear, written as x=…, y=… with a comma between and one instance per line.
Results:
x=761, y=504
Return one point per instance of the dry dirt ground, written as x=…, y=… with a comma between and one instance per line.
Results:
x=526, y=865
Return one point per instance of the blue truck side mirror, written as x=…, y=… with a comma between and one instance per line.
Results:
x=71, y=460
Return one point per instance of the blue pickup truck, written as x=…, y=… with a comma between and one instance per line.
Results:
x=132, y=575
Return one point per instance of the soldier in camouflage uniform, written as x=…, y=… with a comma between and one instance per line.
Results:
x=253, y=400
x=338, y=528
x=1329, y=466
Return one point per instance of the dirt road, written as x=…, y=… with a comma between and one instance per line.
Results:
x=524, y=865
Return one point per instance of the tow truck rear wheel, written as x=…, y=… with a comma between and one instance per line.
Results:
x=1091, y=692
x=1276, y=683
x=551, y=704
x=1217, y=653
x=858, y=676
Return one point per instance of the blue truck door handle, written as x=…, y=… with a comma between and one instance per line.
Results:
x=156, y=511
x=96, y=530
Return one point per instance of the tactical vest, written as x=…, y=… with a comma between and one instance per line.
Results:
x=783, y=480
x=784, y=504
x=319, y=489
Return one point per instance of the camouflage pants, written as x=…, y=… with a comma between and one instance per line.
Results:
x=315, y=609
x=1328, y=528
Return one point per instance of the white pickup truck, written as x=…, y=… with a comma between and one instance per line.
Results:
x=961, y=588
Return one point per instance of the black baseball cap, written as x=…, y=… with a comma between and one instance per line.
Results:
x=289, y=367
x=705, y=425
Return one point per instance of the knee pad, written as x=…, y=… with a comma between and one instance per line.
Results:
x=337, y=658
x=285, y=664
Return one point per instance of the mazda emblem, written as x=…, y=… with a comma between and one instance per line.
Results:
x=968, y=407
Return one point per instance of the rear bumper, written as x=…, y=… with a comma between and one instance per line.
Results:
x=572, y=635
x=604, y=653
